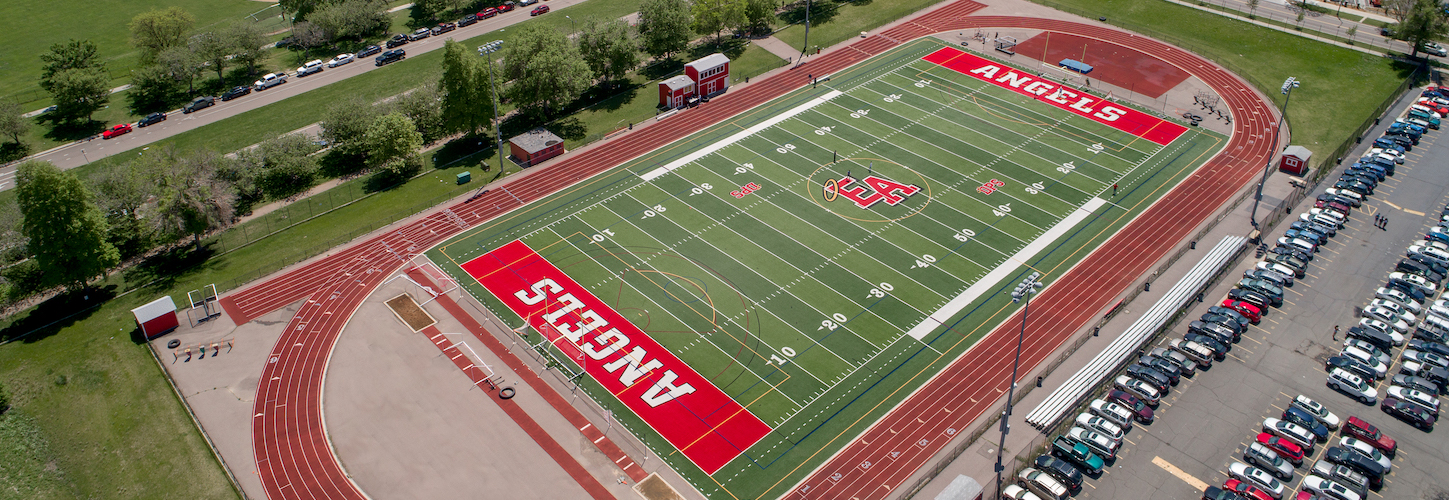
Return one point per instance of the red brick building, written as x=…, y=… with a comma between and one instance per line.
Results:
x=534, y=146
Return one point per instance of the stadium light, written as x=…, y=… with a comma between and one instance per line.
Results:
x=1287, y=90
x=483, y=51
x=1023, y=292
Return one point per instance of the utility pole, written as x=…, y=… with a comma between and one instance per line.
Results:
x=1023, y=292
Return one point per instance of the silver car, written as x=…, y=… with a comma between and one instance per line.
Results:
x=1268, y=460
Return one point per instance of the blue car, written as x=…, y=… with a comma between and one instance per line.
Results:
x=1386, y=143
x=1439, y=237
x=1306, y=421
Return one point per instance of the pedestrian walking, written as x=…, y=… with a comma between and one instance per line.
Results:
x=1114, y=189
x=1335, y=332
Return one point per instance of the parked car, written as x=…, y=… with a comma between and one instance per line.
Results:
x=1156, y=379
x=1362, y=356
x=1063, y=471
x=1015, y=492
x=1280, y=279
x=1273, y=292
x=1216, y=493
x=1173, y=372
x=1290, y=431
x=1399, y=298
x=341, y=59
x=1317, y=410
x=1188, y=366
x=488, y=12
x=1219, y=349
x=538, y=11
x=1350, y=478
x=1328, y=489
x=269, y=80
x=1410, y=413
x=1041, y=483
x=152, y=119
x=1099, y=444
x=1348, y=458
x=1262, y=457
x=1306, y=421
x=1414, y=396
x=198, y=104
x=1250, y=311
x=389, y=57
x=1246, y=490
x=1367, y=433
x=1374, y=337
x=1256, y=477
x=468, y=20
x=1413, y=382
x=313, y=66
x=1353, y=385
x=1138, y=388
x=444, y=28
x=116, y=131
x=1113, y=412
x=398, y=40
x=1220, y=323
x=1373, y=351
x=507, y=6
x=1367, y=450
x=420, y=34
x=1399, y=312
x=368, y=50
x=1193, y=350
x=1242, y=320
x=1078, y=454
x=1414, y=362
x=1284, y=448
x=1141, y=411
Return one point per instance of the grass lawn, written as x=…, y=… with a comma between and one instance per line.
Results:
x=35, y=25
x=849, y=20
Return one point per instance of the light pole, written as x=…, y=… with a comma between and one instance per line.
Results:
x=574, y=24
x=1287, y=90
x=484, y=51
x=1023, y=292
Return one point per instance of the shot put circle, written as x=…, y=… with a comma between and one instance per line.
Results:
x=812, y=186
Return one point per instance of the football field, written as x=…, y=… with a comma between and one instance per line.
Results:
x=750, y=298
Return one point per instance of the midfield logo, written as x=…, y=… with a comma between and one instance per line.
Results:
x=889, y=191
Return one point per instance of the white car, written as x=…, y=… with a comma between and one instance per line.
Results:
x=1388, y=317
x=1114, y=412
x=1426, y=109
x=1256, y=477
x=1415, y=397
x=1332, y=214
x=1401, y=298
x=1276, y=268
x=1367, y=450
x=1353, y=385
x=1399, y=311
x=340, y=60
x=1429, y=252
x=1319, y=412
x=1381, y=327
x=1101, y=445
x=1290, y=431
x=1416, y=362
x=1371, y=349
x=1439, y=308
x=1357, y=198
x=1138, y=388
x=1101, y=425
x=1397, y=156
x=1014, y=492
x=1265, y=458
x=313, y=66
x=1328, y=489
x=1299, y=243
x=269, y=80
x=1367, y=358
x=1428, y=287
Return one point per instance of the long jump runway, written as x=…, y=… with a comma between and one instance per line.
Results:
x=295, y=460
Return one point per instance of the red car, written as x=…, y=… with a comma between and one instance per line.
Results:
x=1429, y=103
x=506, y=7
x=487, y=13
x=1367, y=433
x=1246, y=490
x=1140, y=411
x=116, y=131
x=1289, y=451
x=1251, y=311
x=542, y=9
x=1331, y=205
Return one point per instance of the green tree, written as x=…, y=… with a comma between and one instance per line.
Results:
x=79, y=93
x=711, y=17
x=352, y=19
x=424, y=107
x=664, y=26
x=545, y=68
x=392, y=145
x=152, y=89
x=608, y=46
x=71, y=55
x=246, y=41
x=467, y=94
x=344, y=124
x=183, y=65
x=760, y=15
x=275, y=169
x=67, y=232
x=301, y=9
x=157, y=30
x=120, y=194
x=1424, y=23
x=1252, y=8
x=308, y=36
x=191, y=196
x=212, y=49
x=12, y=121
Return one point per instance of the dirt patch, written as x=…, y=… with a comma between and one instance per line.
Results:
x=1111, y=63
x=654, y=488
x=408, y=311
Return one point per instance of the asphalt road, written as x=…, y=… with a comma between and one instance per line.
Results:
x=1206, y=422
x=85, y=151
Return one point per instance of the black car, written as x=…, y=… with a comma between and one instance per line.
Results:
x=468, y=20
x=1223, y=334
x=1220, y=350
x=1060, y=469
x=198, y=104
x=1355, y=186
x=1420, y=383
x=236, y=92
x=1414, y=267
x=151, y=119
x=1401, y=141
x=1219, y=323
x=1296, y=264
x=1437, y=267
x=390, y=56
x=1410, y=413
x=398, y=40
x=1280, y=280
x=1379, y=339
x=1413, y=291
x=1353, y=460
x=1269, y=290
x=1153, y=377
x=1405, y=131
x=1216, y=493
x=1431, y=333
x=1173, y=372
x=1377, y=173
x=1315, y=227
x=1436, y=375
x=1081, y=456
x=1353, y=366
x=1243, y=321
x=1426, y=346
x=1282, y=249
x=368, y=50
x=1251, y=297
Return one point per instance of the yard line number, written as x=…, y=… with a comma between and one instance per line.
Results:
x=658, y=209
x=788, y=352
x=701, y=188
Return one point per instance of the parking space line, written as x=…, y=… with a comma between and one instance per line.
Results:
x=1181, y=474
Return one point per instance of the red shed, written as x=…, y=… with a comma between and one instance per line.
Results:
x=711, y=74
x=535, y=146
x=156, y=318
x=1295, y=160
x=674, y=91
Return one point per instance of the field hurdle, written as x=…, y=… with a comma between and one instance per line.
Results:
x=200, y=349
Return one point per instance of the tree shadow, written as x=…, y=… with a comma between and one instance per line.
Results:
x=57, y=313
x=162, y=270
x=12, y=151
x=334, y=164
x=820, y=13
x=71, y=130
x=457, y=152
x=660, y=69
x=570, y=129
x=730, y=47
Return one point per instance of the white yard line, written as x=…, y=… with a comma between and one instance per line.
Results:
x=705, y=151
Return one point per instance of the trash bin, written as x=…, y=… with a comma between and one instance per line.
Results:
x=465, y=177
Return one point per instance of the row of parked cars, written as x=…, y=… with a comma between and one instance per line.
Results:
x=1085, y=450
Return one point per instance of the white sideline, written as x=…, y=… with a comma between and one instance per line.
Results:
x=701, y=152
x=1006, y=268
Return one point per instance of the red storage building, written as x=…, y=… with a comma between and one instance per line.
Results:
x=675, y=91
x=535, y=146
x=711, y=74
x=1295, y=160
x=156, y=318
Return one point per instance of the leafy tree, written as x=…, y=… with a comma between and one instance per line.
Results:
x=545, y=68
x=182, y=65
x=191, y=196
x=1399, y=9
x=158, y=30
x=664, y=26
x=71, y=55
x=352, y=19
x=120, y=194
x=467, y=93
x=711, y=17
x=67, y=232
x=429, y=9
x=309, y=36
x=1252, y=8
x=345, y=123
x=152, y=89
x=211, y=46
x=301, y=9
x=424, y=107
x=246, y=40
x=79, y=93
x=760, y=15
x=1424, y=23
x=275, y=169
x=392, y=145
x=608, y=47
x=12, y=121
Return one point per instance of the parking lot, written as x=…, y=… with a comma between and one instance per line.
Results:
x=1205, y=423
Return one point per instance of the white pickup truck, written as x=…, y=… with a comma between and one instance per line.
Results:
x=269, y=80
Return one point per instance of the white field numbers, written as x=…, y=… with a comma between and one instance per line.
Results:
x=879, y=292
x=1067, y=167
x=1034, y=188
x=604, y=234
x=924, y=261
x=650, y=212
x=703, y=187
x=744, y=167
x=1095, y=148
x=834, y=322
x=1001, y=210
x=788, y=352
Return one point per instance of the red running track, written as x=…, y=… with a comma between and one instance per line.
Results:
x=917, y=428
x=294, y=458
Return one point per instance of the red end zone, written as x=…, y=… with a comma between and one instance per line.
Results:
x=704, y=423
x=1121, y=118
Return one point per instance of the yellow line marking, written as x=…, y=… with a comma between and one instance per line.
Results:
x=1404, y=210
x=1184, y=476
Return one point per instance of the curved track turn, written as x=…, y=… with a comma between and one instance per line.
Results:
x=295, y=460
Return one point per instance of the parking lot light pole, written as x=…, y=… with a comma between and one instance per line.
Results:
x=1023, y=292
x=1287, y=90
